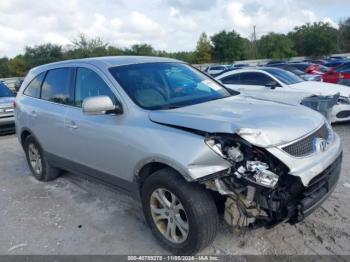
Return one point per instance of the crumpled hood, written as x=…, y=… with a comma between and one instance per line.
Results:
x=262, y=123
x=6, y=101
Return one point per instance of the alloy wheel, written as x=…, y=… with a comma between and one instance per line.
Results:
x=169, y=215
x=35, y=159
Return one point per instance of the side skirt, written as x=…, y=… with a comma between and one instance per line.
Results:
x=127, y=187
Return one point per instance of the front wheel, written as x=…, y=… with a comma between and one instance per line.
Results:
x=182, y=215
x=38, y=164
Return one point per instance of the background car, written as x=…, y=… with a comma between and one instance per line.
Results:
x=335, y=75
x=310, y=68
x=294, y=70
x=335, y=63
x=269, y=79
x=7, y=119
x=215, y=70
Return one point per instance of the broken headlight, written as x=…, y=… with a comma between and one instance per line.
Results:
x=225, y=148
x=247, y=162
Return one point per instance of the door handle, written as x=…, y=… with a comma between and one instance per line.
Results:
x=71, y=125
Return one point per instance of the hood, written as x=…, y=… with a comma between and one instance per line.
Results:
x=287, y=97
x=321, y=88
x=262, y=123
x=7, y=101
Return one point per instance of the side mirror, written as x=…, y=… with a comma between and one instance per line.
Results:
x=100, y=105
x=272, y=84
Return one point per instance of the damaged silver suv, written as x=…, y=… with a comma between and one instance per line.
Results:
x=187, y=147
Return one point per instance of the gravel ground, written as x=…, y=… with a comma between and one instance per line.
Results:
x=73, y=215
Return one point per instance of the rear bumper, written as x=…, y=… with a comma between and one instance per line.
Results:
x=7, y=125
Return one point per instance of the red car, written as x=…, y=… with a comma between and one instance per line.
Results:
x=337, y=74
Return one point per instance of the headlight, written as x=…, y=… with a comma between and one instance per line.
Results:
x=244, y=161
x=262, y=176
x=228, y=150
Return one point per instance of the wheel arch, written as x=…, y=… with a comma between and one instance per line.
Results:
x=147, y=168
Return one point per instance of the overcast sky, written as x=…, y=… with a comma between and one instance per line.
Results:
x=171, y=25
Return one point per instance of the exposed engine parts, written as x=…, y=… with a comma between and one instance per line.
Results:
x=258, y=189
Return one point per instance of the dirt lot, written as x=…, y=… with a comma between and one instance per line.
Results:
x=74, y=216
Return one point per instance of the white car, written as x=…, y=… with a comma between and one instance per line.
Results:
x=270, y=81
x=216, y=69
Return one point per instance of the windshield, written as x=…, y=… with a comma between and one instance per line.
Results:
x=167, y=85
x=284, y=76
x=5, y=91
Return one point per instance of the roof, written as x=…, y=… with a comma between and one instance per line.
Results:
x=111, y=61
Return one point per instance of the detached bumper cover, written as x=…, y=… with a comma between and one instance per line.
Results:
x=319, y=189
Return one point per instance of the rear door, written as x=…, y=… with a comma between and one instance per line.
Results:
x=49, y=112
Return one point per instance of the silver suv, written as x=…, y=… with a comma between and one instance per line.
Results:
x=184, y=145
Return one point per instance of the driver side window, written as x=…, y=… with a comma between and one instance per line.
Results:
x=255, y=78
x=88, y=84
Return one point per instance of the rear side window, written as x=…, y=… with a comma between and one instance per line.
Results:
x=254, y=79
x=88, y=84
x=231, y=80
x=57, y=86
x=33, y=89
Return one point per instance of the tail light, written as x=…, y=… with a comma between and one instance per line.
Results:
x=14, y=104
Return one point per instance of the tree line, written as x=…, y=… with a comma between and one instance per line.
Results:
x=311, y=40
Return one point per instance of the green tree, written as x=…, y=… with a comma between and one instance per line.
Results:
x=227, y=46
x=86, y=47
x=4, y=67
x=275, y=46
x=42, y=54
x=18, y=66
x=344, y=31
x=314, y=40
x=203, y=50
x=188, y=57
x=141, y=49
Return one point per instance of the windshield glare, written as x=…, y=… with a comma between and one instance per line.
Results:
x=167, y=85
x=284, y=76
x=5, y=91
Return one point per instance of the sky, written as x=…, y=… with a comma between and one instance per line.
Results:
x=171, y=25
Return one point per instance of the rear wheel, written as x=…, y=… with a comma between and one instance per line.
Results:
x=182, y=215
x=38, y=164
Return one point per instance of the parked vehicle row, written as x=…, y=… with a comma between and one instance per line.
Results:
x=182, y=143
x=279, y=84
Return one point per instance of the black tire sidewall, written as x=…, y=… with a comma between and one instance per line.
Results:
x=181, y=188
x=31, y=140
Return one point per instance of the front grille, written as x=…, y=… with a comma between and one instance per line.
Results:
x=305, y=146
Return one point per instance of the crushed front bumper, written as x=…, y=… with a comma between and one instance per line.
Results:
x=318, y=190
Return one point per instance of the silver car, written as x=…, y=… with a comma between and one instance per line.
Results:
x=188, y=148
x=7, y=116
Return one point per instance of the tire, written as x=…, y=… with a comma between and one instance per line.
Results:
x=46, y=172
x=199, y=212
